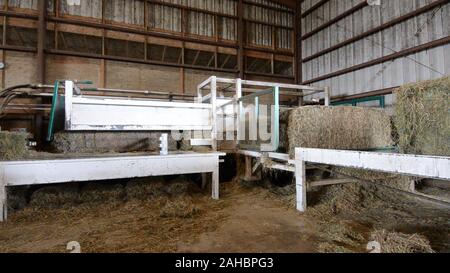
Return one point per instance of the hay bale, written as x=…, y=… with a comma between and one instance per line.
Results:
x=342, y=127
x=145, y=188
x=396, y=242
x=13, y=145
x=105, y=142
x=284, y=125
x=102, y=192
x=422, y=117
x=55, y=196
x=17, y=197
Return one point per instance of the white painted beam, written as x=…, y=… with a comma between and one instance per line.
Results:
x=436, y=167
x=416, y=165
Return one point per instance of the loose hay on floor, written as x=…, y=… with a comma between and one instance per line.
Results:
x=342, y=127
x=180, y=207
x=13, y=145
x=422, y=117
x=396, y=242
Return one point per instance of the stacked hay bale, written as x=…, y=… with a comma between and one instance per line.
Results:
x=423, y=117
x=13, y=145
x=55, y=196
x=104, y=142
x=343, y=127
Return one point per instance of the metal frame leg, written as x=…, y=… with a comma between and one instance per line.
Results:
x=300, y=181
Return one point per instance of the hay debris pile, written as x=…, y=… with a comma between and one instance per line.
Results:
x=345, y=128
x=13, y=145
x=423, y=117
x=396, y=242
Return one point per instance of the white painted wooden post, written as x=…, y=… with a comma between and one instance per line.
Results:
x=215, y=181
x=239, y=116
x=300, y=183
x=199, y=95
x=214, y=112
x=3, y=205
x=68, y=94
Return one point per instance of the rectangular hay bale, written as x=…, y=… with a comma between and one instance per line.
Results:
x=341, y=127
x=13, y=145
x=422, y=117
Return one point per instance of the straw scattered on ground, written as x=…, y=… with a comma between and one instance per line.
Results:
x=397, y=242
x=346, y=215
x=153, y=223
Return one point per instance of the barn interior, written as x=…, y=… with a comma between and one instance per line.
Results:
x=225, y=126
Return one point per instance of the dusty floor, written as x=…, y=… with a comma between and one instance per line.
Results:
x=246, y=219
x=242, y=221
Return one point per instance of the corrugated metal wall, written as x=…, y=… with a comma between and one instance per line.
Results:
x=421, y=29
x=263, y=35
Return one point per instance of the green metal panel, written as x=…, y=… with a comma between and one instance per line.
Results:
x=53, y=111
x=355, y=102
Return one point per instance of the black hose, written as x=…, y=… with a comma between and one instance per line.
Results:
x=12, y=88
x=9, y=94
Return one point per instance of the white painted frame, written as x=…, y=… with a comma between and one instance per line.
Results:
x=436, y=167
x=119, y=114
x=211, y=83
x=34, y=172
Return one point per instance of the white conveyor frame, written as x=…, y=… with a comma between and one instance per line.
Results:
x=96, y=113
x=436, y=167
x=208, y=92
x=33, y=172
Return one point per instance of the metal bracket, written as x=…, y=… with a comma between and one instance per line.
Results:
x=164, y=144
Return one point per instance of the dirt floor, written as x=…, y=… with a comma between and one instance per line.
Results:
x=180, y=217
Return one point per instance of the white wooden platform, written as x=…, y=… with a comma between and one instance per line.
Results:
x=33, y=172
x=415, y=165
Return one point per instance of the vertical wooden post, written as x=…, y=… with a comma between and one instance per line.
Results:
x=41, y=63
x=248, y=169
x=239, y=117
x=3, y=204
x=215, y=180
x=102, y=76
x=42, y=34
x=300, y=183
x=298, y=64
x=241, y=55
x=298, y=43
x=5, y=21
x=214, y=112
